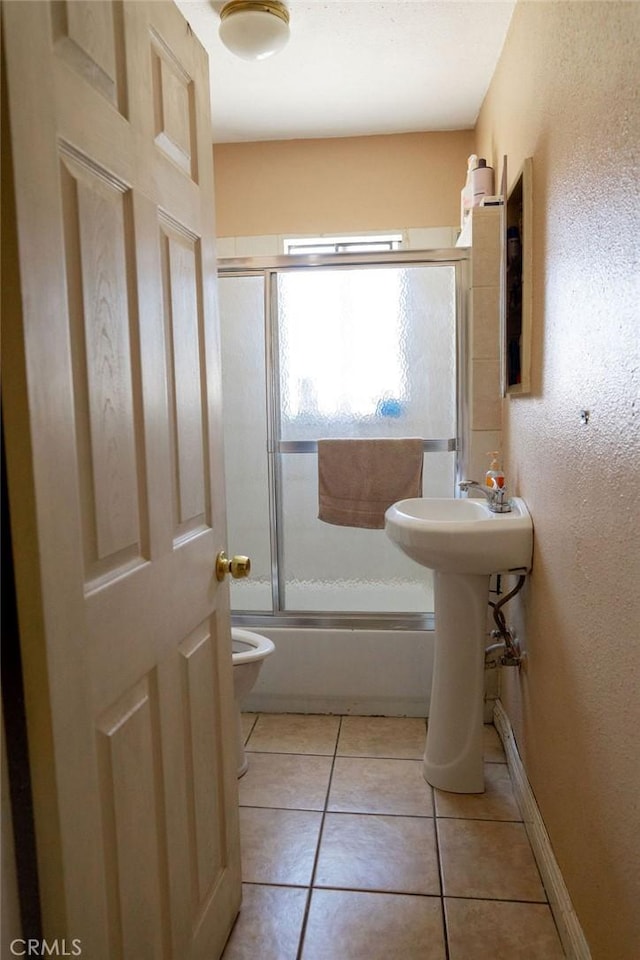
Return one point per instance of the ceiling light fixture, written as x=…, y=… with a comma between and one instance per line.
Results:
x=254, y=29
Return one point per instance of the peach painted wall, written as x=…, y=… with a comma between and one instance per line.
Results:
x=340, y=185
x=566, y=94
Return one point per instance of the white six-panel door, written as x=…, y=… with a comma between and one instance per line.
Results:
x=112, y=409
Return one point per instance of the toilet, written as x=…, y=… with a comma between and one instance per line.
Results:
x=249, y=650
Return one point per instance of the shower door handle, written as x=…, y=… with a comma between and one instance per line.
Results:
x=238, y=566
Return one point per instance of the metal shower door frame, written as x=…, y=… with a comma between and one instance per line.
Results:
x=269, y=268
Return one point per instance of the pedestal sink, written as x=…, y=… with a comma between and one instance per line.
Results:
x=464, y=543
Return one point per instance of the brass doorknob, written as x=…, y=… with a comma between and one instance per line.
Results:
x=238, y=567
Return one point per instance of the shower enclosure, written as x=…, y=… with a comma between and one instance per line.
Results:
x=333, y=346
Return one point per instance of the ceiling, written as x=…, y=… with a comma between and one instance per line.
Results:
x=356, y=68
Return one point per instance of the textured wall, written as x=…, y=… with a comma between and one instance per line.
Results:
x=340, y=185
x=566, y=93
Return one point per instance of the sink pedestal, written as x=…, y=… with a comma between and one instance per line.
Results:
x=463, y=542
x=453, y=758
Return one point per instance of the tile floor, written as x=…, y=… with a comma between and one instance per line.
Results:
x=347, y=854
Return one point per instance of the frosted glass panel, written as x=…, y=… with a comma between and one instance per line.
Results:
x=335, y=568
x=367, y=352
x=245, y=435
x=360, y=352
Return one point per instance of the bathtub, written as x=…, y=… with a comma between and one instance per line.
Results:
x=345, y=671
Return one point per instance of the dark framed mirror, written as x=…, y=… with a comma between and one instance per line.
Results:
x=516, y=311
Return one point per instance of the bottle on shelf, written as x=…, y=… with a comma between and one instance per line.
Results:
x=466, y=194
x=481, y=181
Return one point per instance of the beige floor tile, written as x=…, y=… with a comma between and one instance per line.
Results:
x=248, y=721
x=496, y=803
x=294, y=733
x=493, y=749
x=285, y=780
x=392, y=737
x=278, y=846
x=348, y=925
x=487, y=860
x=391, y=854
x=371, y=785
x=499, y=930
x=269, y=924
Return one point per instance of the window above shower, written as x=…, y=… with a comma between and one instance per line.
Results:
x=367, y=243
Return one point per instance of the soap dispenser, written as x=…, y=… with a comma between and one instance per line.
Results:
x=494, y=475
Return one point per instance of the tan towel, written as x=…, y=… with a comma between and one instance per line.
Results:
x=359, y=479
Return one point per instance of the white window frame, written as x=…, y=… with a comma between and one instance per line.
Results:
x=363, y=243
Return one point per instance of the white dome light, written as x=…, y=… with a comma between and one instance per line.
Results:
x=254, y=29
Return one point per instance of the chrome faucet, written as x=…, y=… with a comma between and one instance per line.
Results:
x=495, y=496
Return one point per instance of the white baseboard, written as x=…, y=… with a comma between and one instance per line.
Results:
x=354, y=705
x=573, y=939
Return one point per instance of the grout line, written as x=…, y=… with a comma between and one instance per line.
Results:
x=394, y=893
x=303, y=928
x=533, y=903
x=262, y=806
x=303, y=925
x=375, y=756
x=480, y=819
x=445, y=935
x=288, y=753
x=275, y=883
x=362, y=813
x=384, y=891
x=251, y=729
x=381, y=813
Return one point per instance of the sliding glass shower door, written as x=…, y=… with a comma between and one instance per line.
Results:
x=246, y=436
x=332, y=351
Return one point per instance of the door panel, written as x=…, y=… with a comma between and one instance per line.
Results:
x=129, y=752
x=113, y=426
x=174, y=108
x=180, y=273
x=199, y=681
x=89, y=35
x=99, y=247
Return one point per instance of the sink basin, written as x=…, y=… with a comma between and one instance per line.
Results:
x=462, y=536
